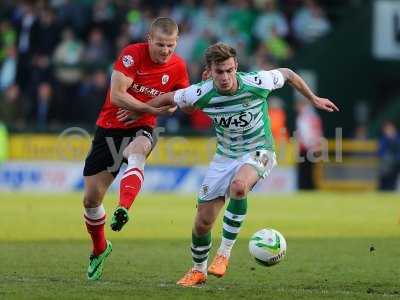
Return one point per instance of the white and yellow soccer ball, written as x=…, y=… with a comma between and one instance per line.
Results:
x=268, y=247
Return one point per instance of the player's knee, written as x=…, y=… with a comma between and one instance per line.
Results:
x=92, y=199
x=238, y=189
x=140, y=145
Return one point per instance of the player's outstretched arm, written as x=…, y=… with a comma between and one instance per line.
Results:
x=299, y=84
x=120, y=97
x=164, y=102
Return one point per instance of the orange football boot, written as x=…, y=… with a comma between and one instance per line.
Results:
x=192, y=278
x=218, y=266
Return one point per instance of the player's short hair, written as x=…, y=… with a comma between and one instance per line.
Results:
x=166, y=25
x=218, y=53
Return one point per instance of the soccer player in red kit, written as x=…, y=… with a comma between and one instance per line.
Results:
x=141, y=72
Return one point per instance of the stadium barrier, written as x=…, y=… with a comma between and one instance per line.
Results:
x=54, y=176
x=54, y=163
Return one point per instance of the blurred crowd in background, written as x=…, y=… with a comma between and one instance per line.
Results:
x=56, y=56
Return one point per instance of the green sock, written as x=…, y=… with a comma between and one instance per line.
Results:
x=201, y=246
x=233, y=219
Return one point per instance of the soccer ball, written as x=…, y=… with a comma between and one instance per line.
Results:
x=267, y=246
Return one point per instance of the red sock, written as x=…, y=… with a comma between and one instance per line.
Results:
x=96, y=231
x=129, y=187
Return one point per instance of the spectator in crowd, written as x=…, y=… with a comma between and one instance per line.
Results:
x=40, y=42
x=48, y=33
x=389, y=154
x=27, y=28
x=8, y=68
x=44, y=109
x=7, y=38
x=310, y=23
x=74, y=14
x=278, y=48
x=269, y=20
x=97, y=52
x=241, y=18
x=261, y=59
x=186, y=41
x=139, y=20
x=68, y=58
x=308, y=134
x=277, y=116
x=91, y=96
x=12, y=107
x=209, y=19
x=104, y=17
x=184, y=12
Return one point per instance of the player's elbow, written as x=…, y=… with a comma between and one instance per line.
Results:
x=288, y=74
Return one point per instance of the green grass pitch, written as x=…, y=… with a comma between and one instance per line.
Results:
x=44, y=249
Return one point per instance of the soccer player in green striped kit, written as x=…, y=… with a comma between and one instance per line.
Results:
x=237, y=104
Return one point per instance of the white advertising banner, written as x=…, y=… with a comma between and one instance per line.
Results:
x=64, y=177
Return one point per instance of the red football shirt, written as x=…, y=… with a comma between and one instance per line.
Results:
x=149, y=80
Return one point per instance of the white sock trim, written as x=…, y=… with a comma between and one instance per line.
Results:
x=226, y=247
x=133, y=172
x=202, y=267
x=231, y=229
x=95, y=213
x=136, y=161
x=234, y=217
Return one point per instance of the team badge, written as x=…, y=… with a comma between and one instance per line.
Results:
x=164, y=79
x=275, y=79
x=127, y=60
x=204, y=189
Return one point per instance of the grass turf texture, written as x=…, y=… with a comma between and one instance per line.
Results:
x=44, y=249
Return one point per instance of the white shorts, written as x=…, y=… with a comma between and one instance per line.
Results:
x=222, y=170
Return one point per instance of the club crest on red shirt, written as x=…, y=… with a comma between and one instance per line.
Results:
x=164, y=79
x=127, y=60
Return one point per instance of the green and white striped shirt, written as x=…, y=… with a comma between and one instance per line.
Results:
x=241, y=121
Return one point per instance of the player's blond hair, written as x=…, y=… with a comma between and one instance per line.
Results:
x=165, y=25
x=218, y=53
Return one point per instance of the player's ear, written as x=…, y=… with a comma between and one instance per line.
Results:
x=206, y=74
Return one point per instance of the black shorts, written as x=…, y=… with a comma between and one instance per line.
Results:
x=107, y=147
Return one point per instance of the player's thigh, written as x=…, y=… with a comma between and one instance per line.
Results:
x=243, y=181
x=95, y=188
x=142, y=143
x=253, y=166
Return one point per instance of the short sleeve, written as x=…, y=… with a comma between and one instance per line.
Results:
x=126, y=62
x=183, y=80
x=271, y=80
x=187, y=97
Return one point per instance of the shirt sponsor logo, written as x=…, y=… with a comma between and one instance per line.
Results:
x=127, y=61
x=138, y=88
x=236, y=121
x=257, y=80
x=275, y=79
